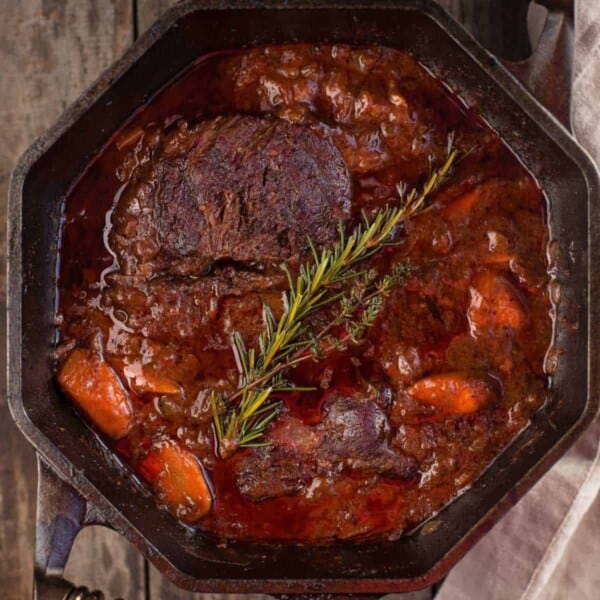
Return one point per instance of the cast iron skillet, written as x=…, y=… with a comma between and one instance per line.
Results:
x=99, y=490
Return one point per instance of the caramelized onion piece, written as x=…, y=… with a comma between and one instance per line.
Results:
x=97, y=390
x=178, y=480
x=459, y=392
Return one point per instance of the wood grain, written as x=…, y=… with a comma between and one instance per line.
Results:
x=51, y=50
x=150, y=10
x=101, y=559
x=501, y=27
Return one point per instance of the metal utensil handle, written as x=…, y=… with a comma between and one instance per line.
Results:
x=61, y=514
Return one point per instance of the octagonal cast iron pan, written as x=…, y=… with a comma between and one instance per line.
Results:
x=99, y=489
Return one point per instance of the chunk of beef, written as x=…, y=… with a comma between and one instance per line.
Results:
x=356, y=432
x=242, y=188
x=284, y=467
x=168, y=308
x=353, y=435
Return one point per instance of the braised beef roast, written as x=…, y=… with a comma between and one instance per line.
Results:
x=242, y=188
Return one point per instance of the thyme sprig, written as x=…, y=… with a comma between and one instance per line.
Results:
x=241, y=419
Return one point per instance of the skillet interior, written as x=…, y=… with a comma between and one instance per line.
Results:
x=49, y=169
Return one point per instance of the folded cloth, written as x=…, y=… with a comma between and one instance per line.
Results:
x=547, y=546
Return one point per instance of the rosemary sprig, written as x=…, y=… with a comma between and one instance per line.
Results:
x=241, y=419
x=245, y=425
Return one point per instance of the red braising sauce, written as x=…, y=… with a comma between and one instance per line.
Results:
x=396, y=427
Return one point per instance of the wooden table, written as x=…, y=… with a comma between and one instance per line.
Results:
x=51, y=51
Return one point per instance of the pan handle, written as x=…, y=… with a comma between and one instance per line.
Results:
x=501, y=26
x=61, y=514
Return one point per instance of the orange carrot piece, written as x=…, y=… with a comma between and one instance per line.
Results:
x=179, y=481
x=158, y=385
x=495, y=303
x=146, y=381
x=463, y=205
x=501, y=259
x=97, y=390
x=458, y=392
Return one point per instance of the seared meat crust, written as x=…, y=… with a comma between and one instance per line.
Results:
x=242, y=188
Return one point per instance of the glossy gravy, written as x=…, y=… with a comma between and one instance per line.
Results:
x=452, y=369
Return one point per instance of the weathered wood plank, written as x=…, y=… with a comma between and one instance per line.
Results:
x=101, y=559
x=51, y=50
x=501, y=27
x=149, y=10
x=452, y=6
x=160, y=587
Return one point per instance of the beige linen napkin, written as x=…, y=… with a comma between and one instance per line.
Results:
x=548, y=546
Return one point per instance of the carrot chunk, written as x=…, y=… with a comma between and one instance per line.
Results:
x=459, y=392
x=96, y=389
x=178, y=480
x=147, y=381
x=495, y=303
x=158, y=385
x=501, y=259
x=463, y=205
